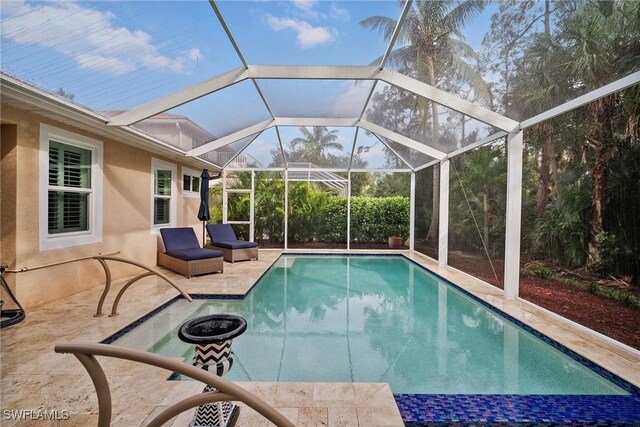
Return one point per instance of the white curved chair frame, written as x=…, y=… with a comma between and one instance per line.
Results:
x=149, y=271
x=226, y=391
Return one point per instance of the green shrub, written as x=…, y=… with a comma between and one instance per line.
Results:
x=333, y=220
x=571, y=282
x=623, y=296
x=215, y=214
x=620, y=295
x=319, y=216
x=537, y=269
x=373, y=220
x=608, y=254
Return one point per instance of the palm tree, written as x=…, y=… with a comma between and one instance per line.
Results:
x=600, y=37
x=483, y=174
x=314, y=145
x=432, y=50
x=540, y=86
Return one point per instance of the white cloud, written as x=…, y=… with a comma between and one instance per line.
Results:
x=341, y=13
x=195, y=54
x=307, y=6
x=350, y=103
x=90, y=37
x=260, y=151
x=308, y=35
x=93, y=62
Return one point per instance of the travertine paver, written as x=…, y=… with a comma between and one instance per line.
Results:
x=33, y=377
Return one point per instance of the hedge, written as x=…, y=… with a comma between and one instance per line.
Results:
x=318, y=216
x=373, y=220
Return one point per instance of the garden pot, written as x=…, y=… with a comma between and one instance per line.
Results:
x=395, y=242
x=212, y=336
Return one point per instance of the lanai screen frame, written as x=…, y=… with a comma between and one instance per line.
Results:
x=508, y=128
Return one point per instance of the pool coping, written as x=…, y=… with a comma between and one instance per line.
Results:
x=427, y=409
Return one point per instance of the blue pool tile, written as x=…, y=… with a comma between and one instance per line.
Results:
x=424, y=409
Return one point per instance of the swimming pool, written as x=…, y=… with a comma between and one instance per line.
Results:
x=379, y=319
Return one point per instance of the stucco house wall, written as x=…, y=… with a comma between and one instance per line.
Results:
x=126, y=204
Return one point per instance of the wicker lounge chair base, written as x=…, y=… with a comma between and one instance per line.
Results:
x=233, y=255
x=224, y=239
x=193, y=267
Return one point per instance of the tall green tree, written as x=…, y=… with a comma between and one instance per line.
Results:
x=603, y=42
x=590, y=44
x=315, y=145
x=269, y=208
x=521, y=50
x=481, y=177
x=432, y=49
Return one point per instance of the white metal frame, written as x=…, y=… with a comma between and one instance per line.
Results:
x=396, y=33
x=401, y=139
x=252, y=224
x=225, y=203
x=286, y=210
x=443, y=214
x=226, y=140
x=224, y=195
x=488, y=140
x=314, y=72
x=412, y=211
x=513, y=215
x=594, y=95
x=418, y=169
x=508, y=128
x=330, y=122
x=349, y=211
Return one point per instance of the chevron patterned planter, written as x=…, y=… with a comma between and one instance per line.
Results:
x=212, y=336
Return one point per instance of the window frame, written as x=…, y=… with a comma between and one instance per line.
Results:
x=157, y=164
x=192, y=174
x=93, y=234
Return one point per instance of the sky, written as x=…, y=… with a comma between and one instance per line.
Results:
x=120, y=54
x=115, y=55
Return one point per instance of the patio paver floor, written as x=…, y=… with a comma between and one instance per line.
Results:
x=33, y=377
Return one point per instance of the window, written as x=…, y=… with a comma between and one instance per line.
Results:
x=70, y=188
x=164, y=194
x=190, y=183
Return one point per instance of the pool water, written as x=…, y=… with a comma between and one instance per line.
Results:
x=375, y=319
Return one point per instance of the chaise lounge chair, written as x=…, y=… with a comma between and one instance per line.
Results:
x=184, y=255
x=224, y=239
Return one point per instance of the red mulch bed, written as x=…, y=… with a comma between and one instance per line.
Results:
x=605, y=315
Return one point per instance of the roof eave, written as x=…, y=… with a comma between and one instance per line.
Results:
x=39, y=99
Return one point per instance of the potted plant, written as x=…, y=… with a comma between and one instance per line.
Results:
x=395, y=241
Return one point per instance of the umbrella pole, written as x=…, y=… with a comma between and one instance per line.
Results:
x=203, y=228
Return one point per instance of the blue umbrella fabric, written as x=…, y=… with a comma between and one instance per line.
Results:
x=203, y=210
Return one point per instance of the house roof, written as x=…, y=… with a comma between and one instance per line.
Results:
x=192, y=128
x=21, y=94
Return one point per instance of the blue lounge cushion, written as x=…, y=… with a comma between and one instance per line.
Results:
x=194, y=254
x=235, y=244
x=179, y=238
x=221, y=233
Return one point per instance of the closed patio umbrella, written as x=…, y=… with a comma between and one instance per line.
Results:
x=203, y=211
